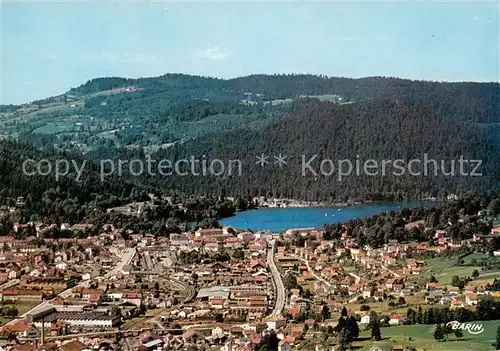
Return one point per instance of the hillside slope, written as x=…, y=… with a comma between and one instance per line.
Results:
x=176, y=116
x=380, y=130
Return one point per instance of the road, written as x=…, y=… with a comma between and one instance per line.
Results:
x=190, y=292
x=147, y=259
x=391, y=271
x=355, y=298
x=126, y=259
x=128, y=344
x=356, y=277
x=314, y=274
x=10, y=284
x=278, y=283
x=326, y=282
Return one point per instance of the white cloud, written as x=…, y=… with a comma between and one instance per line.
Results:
x=215, y=53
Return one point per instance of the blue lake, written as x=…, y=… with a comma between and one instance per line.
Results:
x=281, y=219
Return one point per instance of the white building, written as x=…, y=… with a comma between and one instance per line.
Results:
x=395, y=319
x=274, y=323
x=365, y=319
x=217, y=332
x=84, y=320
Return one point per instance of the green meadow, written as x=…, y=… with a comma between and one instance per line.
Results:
x=422, y=336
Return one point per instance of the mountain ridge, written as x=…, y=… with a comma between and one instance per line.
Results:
x=175, y=115
x=123, y=81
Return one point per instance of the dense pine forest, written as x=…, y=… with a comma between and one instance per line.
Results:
x=373, y=130
x=176, y=116
x=89, y=200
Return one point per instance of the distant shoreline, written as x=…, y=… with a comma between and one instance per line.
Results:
x=291, y=203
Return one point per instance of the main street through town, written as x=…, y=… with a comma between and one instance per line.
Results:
x=278, y=282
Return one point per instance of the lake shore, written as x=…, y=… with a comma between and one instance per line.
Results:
x=293, y=203
x=280, y=219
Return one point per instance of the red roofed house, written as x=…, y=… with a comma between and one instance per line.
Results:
x=22, y=329
x=133, y=297
x=395, y=319
x=471, y=299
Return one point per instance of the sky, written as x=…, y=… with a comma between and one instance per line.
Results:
x=49, y=47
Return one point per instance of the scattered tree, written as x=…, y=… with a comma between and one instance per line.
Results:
x=345, y=338
x=344, y=312
x=376, y=335
x=439, y=332
x=325, y=312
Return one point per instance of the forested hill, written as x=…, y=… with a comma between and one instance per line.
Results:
x=52, y=195
x=379, y=130
x=473, y=101
x=175, y=116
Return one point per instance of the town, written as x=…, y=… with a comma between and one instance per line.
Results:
x=249, y=175
x=231, y=290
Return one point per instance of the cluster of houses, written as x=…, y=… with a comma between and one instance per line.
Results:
x=337, y=276
x=230, y=287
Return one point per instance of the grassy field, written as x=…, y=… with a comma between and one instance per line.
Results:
x=444, y=269
x=422, y=337
x=382, y=307
x=485, y=278
x=4, y=320
x=326, y=97
x=22, y=308
x=56, y=127
x=475, y=256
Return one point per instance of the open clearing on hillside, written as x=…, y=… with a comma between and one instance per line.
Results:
x=55, y=127
x=444, y=268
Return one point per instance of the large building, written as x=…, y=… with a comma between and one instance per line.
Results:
x=79, y=319
x=220, y=292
